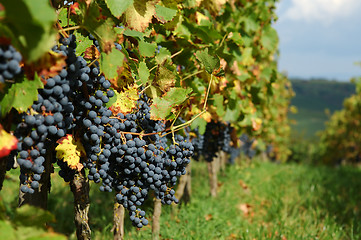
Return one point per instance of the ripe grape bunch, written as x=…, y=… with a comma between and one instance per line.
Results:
x=48, y=119
x=216, y=138
x=9, y=63
x=125, y=153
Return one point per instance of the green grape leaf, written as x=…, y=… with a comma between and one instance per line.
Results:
x=82, y=43
x=93, y=22
x=191, y=3
x=234, y=108
x=210, y=63
x=218, y=103
x=269, y=39
x=199, y=123
x=165, y=79
x=133, y=33
x=164, y=14
x=162, y=107
x=147, y=49
x=177, y=95
x=118, y=7
x=143, y=72
x=250, y=24
x=247, y=58
x=110, y=63
x=163, y=55
x=237, y=38
x=34, y=33
x=63, y=18
x=20, y=95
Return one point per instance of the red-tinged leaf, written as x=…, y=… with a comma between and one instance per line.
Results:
x=70, y=151
x=124, y=78
x=7, y=142
x=91, y=53
x=49, y=65
x=74, y=8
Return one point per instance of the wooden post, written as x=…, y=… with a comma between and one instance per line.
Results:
x=224, y=160
x=212, y=174
x=118, y=219
x=156, y=219
x=80, y=188
x=183, y=192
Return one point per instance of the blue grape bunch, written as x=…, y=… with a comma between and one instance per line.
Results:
x=125, y=153
x=10, y=60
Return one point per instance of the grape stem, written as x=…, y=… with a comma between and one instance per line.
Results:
x=144, y=89
x=223, y=40
x=209, y=87
x=92, y=62
x=191, y=75
x=70, y=28
x=183, y=125
x=175, y=54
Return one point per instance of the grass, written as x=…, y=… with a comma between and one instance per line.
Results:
x=259, y=200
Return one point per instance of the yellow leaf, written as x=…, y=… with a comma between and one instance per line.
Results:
x=126, y=100
x=207, y=116
x=70, y=151
x=140, y=14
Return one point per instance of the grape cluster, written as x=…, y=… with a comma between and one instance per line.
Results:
x=9, y=62
x=247, y=146
x=225, y=137
x=125, y=153
x=49, y=119
x=234, y=152
x=216, y=138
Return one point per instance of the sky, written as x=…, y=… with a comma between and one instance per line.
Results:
x=319, y=38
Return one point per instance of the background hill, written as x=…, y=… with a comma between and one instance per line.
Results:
x=312, y=99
